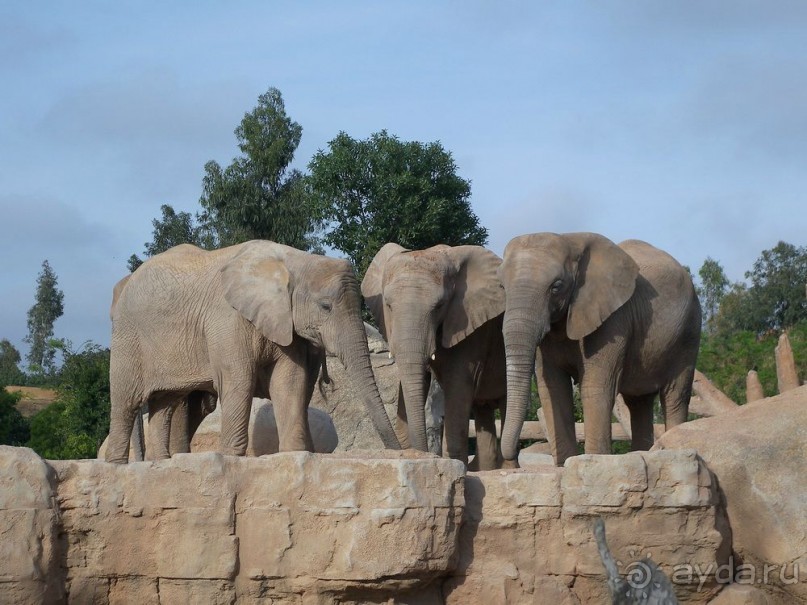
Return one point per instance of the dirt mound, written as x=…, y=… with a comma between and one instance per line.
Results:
x=34, y=399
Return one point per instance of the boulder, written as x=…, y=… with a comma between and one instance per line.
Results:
x=30, y=570
x=758, y=453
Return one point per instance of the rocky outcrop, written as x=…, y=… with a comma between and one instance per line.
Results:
x=350, y=528
x=758, y=453
x=528, y=535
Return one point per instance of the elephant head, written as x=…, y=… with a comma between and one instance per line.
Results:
x=425, y=300
x=568, y=283
x=283, y=291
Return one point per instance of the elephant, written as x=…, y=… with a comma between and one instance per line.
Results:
x=247, y=320
x=615, y=319
x=440, y=309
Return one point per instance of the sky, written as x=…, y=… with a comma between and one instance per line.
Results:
x=680, y=123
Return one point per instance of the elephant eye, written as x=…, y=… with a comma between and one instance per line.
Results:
x=326, y=306
x=557, y=286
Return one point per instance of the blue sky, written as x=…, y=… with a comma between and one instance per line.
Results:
x=681, y=123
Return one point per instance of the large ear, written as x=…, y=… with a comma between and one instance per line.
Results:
x=256, y=284
x=372, y=286
x=478, y=294
x=606, y=279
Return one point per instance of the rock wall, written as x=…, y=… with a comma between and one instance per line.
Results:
x=359, y=527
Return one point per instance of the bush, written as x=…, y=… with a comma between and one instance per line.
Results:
x=14, y=428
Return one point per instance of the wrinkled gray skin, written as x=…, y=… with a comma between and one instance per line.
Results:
x=245, y=321
x=440, y=310
x=617, y=319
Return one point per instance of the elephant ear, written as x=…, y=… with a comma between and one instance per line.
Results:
x=606, y=279
x=256, y=284
x=372, y=286
x=478, y=293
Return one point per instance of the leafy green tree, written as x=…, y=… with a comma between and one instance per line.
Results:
x=169, y=231
x=49, y=307
x=48, y=433
x=778, y=282
x=711, y=290
x=258, y=196
x=775, y=299
x=75, y=425
x=384, y=190
x=14, y=428
x=10, y=372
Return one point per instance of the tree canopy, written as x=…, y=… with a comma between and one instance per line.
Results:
x=10, y=372
x=258, y=196
x=75, y=425
x=169, y=231
x=383, y=190
x=49, y=307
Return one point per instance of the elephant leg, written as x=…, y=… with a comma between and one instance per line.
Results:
x=458, y=393
x=487, y=450
x=675, y=396
x=161, y=410
x=290, y=388
x=122, y=419
x=235, y=388
x=641, y=420
x=557, y=402
x=179, y=439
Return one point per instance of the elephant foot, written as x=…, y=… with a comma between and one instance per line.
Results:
x=118, y=461
x=510, y=464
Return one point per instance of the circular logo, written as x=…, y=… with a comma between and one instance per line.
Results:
x=638, y=574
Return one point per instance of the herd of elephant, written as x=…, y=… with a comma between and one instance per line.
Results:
x=256, y=319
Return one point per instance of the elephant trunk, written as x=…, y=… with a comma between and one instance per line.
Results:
x=413, y=370
x=522, y=333
x=355, y=356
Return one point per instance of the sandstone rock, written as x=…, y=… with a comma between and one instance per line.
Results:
x=753, y=387
x=758, y=454
x=358, y=527
x=786, y=375
x=222, y=529
x=29, y=538
x=527, y=536
x=741, y=594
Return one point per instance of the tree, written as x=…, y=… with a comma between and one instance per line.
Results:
x=777, y=293
x=49, y=307
x=258, y=196
x=13, y=426
x=10, y=372
x=712, y=289
x=169, y=231
x=775, y=299
x=74, y=426
x=384, y=190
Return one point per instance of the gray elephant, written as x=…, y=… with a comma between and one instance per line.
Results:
x=617, y=319
x=247, y=320
x=440, y=309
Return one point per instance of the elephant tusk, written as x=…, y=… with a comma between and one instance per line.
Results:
x=390, y=354
x=433, y=356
